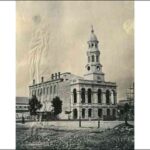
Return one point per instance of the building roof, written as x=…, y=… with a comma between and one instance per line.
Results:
x=22, y=100
x=93, y=37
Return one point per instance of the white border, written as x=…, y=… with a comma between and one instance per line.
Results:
x=142, y=75
x=7, y=74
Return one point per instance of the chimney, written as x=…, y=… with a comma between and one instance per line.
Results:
x=59, y=75
x=56, y=76
x=33, y=81
x=52, y=76
x=42, y=79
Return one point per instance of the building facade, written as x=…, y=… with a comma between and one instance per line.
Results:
x=88, y=97
x=22, y=104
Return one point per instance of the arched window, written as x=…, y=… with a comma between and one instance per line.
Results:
x=83, y=113
x=75, y=113
x=90, y=112
x=54, y=89
x=100, y=113
x=107, y=97
x=96, y=45
x=92, y=58
x=88, y=68
x=75, y=95
x=82, y=95
x=89, y=95
x=114, y=112
x=99, y=96
x=108, y=112
x=98, y=68
x=97, y=58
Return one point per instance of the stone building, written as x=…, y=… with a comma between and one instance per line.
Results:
x=88, y=97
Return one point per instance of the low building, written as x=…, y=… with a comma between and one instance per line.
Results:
x=128, y=100
x=22, y=104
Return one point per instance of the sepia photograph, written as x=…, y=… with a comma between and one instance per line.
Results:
x=75, y=75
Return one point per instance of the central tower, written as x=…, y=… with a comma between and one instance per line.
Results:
x=93, y=67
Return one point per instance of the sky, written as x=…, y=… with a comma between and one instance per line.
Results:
x=64, y=27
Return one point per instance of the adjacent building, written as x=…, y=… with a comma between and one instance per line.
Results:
x=87, y=97
x=128, y=100
x=22, y=104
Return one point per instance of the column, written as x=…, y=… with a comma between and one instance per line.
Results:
x=95, y=113
x=78, y=97
x=94, y=98
x=103, y=97
x=105, y=111
x=78, y=112
x=111, y=111
x=86, y=97
x=71, y=115
x=86, y=113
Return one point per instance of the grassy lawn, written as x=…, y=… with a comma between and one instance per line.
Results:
x=119, y=137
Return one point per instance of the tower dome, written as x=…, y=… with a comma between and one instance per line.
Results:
x=93, y=36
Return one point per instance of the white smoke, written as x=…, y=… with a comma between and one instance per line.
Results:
x=38, y=47
x=128, y=26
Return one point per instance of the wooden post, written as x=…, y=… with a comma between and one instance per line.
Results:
x=98, y=122
x=79, y=121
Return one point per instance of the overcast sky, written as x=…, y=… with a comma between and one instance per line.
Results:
x=68, y=24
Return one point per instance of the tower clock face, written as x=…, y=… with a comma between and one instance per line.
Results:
x=98, y=68
x=88, y=68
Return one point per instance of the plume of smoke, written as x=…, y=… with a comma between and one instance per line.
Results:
x=39, y=45
x=128, y=26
